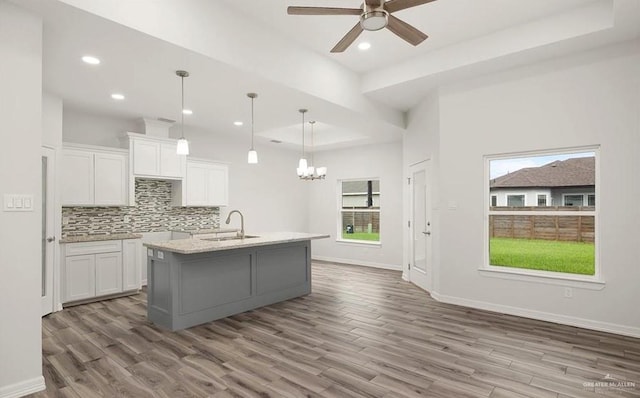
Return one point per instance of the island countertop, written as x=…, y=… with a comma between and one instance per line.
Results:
x=196, y=245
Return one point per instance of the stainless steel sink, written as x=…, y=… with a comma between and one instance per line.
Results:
x=224, y=238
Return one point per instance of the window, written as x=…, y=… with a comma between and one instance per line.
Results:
x=515, y=200
x=573, y=200
x=494, y=200
x=555, y=237
x=359, y=203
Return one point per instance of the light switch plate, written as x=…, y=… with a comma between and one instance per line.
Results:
x=15, y=202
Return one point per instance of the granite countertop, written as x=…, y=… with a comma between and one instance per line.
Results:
x=98, y=237
x=195, y=245
x=206, y=231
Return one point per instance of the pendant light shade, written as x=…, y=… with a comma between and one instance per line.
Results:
x=252, y=156
x=183, y=144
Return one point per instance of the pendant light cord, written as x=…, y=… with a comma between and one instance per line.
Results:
x=182, y=109
x=302, y=134
x=252, y=123
x=312, y=123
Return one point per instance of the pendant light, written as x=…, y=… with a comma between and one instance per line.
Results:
x=183, y=144
x=302, y=164
x=312, y=172
x=252, y=157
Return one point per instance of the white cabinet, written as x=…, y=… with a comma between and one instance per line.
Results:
x=155, y=157
x=91, y=176
x=79, y=277
x=94, y=269
x=207, y=184
x=131, y=265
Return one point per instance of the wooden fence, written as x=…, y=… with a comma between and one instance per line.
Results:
x=361, y=221
x=576, y=228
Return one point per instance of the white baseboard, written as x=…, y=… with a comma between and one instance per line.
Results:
x=23, y=388
x=394, y=267
x=540, y=315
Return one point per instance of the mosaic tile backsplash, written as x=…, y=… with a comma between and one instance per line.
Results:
x=153, y=213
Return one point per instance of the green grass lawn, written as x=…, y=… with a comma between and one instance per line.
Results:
x=375, y=236
x=546, y=255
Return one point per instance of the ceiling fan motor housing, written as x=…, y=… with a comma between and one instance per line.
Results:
x=374, y=17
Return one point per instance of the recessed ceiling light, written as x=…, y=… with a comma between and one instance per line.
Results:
x=117, y=96
x=187, y=111
x=88, y=59
x=238, y=123
x=364, y=45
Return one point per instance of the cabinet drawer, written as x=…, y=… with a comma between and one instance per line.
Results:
x=82, y=248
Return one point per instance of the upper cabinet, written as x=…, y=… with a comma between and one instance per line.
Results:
x=207, y=184
x=155, y=157
x=93, y=176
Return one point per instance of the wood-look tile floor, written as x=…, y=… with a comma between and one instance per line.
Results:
x=362, y=332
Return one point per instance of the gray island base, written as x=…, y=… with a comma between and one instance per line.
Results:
x=191, y=282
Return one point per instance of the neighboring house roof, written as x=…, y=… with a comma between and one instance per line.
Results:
x=576, y=172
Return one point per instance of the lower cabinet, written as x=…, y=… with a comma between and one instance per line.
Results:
x=95, y=269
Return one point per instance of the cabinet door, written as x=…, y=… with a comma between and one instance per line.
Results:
x=146, y=158
x=108, y=273
x=110, y=179
x=79, y=277
x=218, y=185
x=131, y=264
x=77, y=178
x=197, y=184
x=170, y=161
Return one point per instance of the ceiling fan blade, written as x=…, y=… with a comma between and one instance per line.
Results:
x=292, y=10
x=405, y=31
x=397, y=5
x=349, y=38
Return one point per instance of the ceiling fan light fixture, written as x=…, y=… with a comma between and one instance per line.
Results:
x=374, y=20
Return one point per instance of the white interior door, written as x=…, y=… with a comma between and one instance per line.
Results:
x=49, y=243
x=420, y=226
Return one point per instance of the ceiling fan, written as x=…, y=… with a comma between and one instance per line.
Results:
x=374, y=15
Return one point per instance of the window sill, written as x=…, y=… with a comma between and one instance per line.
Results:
x=359, y=242
x=549, y=278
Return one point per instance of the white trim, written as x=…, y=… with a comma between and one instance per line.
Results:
x=540, y=315
x=23, y=388
x=551, y=213
x=550, y=278
x=348, y=261
x=359, y=242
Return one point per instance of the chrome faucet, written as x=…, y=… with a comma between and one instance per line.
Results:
x=241, y=233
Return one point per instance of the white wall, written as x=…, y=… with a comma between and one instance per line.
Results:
x=382, y=161
x=586, y=99
x=20, y=112
x=88, y=128
x=268, y=194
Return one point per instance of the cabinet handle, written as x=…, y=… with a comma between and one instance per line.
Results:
x=427, y=232
x=51, y=239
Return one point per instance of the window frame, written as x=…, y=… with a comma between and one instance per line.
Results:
x=340, y=211
x=593, y=282
x=546, y=199
x=564, y=198
x=492, y=200
x=524, y=199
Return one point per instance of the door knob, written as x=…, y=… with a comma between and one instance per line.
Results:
x=51, y=239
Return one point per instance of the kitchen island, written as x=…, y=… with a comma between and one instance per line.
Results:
x=193, y=281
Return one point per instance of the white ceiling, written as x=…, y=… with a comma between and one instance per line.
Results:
x=253, y=46
x=446, y=22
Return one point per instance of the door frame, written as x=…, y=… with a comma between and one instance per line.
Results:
x=413, y=168
x=51, y=252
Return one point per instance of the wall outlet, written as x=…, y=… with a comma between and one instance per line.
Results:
x=568, y=292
